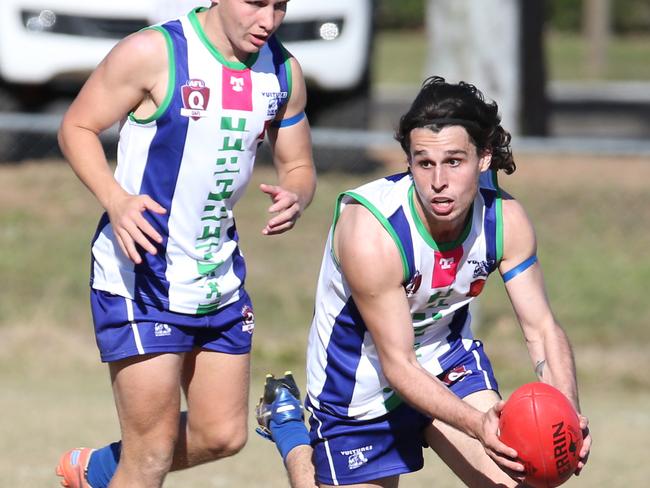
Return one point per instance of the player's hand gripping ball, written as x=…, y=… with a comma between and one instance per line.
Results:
x=540, y=423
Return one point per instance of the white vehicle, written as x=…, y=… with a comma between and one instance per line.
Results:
x=48, y=47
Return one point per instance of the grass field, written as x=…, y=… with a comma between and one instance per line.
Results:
x=400, y=57
x=591, y=217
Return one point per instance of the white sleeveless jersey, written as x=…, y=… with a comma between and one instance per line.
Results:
x=194, y=156
x=344, y=375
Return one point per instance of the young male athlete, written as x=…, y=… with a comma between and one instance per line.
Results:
x=196, y=97
x=392, y=364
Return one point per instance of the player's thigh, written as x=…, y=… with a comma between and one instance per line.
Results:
x=216, y=386
x=389, y=482
x=147, y=395
x=464, y=455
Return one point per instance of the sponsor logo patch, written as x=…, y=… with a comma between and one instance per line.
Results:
x=356, y=457
x=237, y=89
x=481, y=268
x=455, y=374
x=248, y=322
x=275, y=100
x=161, y=330
x=445, y=267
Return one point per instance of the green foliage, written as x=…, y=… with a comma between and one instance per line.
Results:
x=631, y=16
x=565, y=15
x=400, y=57
x=627, y=16
x=627, y=57
x=402, y=14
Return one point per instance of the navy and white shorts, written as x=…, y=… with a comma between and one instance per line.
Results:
x=125, y=328
x=349, y=451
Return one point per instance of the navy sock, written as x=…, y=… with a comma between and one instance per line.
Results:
x=102, y=465
x=289, y=435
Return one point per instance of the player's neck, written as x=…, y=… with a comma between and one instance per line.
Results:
x=215, y=33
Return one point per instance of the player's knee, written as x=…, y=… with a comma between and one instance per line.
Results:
x=225, y=442
x=153, y=461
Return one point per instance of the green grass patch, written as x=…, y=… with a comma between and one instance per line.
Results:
x=400, y=57
x=627, y=58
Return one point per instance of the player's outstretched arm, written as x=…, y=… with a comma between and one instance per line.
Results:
x=290, y=140
x=548, y=344
x=375, y=275
x=131, y=73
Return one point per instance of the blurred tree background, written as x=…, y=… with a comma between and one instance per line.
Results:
x=628, y=17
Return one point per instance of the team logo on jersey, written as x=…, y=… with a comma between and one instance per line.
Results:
x=413, y=285
x=445, y=267
x=455, y=374
x=481, y=268
x=276, y=99
x=248, y=322
x=161, y=330
x=356, y=457
x=195, y=99
x=236, y=89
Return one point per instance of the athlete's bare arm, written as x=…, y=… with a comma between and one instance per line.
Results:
x=132, y=77
x=547, y=343
x=373, y=269
x=300, y=467
x=292, y=156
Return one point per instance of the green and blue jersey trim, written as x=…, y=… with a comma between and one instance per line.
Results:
x=382, y=220
x=424, y=233
x=171, y=82
x=499, y=217
x=198, y=28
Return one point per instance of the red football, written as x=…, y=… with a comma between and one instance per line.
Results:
x=540, y=423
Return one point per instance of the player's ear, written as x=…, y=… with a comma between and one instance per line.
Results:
x=485, y=159
x=409, y=159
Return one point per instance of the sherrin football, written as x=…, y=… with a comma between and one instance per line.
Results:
x=540, y=423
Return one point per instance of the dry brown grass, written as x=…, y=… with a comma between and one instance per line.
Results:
x=57, y=395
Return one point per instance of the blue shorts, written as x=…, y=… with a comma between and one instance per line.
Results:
x=349, y=451
x=125, y=328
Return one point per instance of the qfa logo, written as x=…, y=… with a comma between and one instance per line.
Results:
x=481, y=268
x=413, y=285
x=248, y=319
x=195, y=99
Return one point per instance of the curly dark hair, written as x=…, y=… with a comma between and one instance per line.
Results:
x=440, y=104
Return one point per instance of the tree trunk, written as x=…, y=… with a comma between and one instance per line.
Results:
x=478, y=41
x=596, y=22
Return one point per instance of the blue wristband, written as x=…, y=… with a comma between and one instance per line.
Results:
x=520, y=268
x=289, y=435
x=288, y=122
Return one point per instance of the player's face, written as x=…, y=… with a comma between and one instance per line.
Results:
x=247, y=24
x=446, y=168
